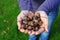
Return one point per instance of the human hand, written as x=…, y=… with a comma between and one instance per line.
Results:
x=19, y=18
x=22, y=16
x=44, y=18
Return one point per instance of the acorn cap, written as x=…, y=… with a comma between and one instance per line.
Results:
x=38, y=15
x=40, y=23
x=29, y=27
x=25, y=22
x=30, y=23
x=36, y=28
x=30, y=18
x=35, y=21
x=25, y=26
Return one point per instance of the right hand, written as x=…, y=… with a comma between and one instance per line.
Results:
x=20, y=17
x=44, y=18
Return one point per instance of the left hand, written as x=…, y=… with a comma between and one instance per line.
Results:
x=44, y=18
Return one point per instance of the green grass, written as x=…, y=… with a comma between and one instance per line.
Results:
x=8, y=28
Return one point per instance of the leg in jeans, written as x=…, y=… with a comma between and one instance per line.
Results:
x=32, y=37
x=51, y=18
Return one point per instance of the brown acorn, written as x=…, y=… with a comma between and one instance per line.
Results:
x=25, y=22
x=36, y=29
x=37, y=15
x=40, y=23
x=30, y=23
x=25, y=27
x=30, y=28
x=30, y=18
x=35, y=21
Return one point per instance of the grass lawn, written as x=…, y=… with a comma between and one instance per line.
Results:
x=8, y=28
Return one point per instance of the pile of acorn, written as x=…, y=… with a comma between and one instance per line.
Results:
x=31, y=22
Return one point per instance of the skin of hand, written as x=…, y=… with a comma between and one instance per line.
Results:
x=39, y=31
x=20, y=17
x=44, y=26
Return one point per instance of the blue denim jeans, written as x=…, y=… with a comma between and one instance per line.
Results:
x=44, y=35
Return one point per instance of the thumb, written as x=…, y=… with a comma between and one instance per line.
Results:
x=46, y=29
x=19, y=25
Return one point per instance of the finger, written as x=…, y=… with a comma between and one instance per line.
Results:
x=32, y=33
x=29, y=32
x=42, y=25
x=22, y=30
x=39, y=31
x=46, y=29
x=31, y=13
x=26, y=31
x=19, y=25
x=18, y=21
x=19, y=17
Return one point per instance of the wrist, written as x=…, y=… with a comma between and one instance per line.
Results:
x=26, y=11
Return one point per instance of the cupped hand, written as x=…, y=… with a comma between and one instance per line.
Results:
x=21, y=16
x=44, y=18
